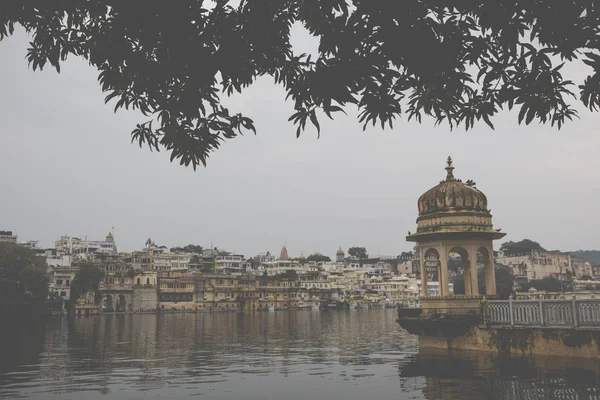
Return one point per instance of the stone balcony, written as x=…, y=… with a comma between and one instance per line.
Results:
x=115, y=286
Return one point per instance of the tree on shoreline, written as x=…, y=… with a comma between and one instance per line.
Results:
x=87, y=279
x=23, y=280
x=358, y=252
x=456, y=61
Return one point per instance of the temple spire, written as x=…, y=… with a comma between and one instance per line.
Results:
x=449, y=170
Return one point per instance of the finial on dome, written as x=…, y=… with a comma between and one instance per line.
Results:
x=449, y=170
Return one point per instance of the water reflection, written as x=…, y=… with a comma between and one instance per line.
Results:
x=341, y=355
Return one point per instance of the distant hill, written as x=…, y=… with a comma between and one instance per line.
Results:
x=591, y=256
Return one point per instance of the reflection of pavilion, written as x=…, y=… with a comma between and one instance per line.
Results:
x=469, y=375
x=454, y=218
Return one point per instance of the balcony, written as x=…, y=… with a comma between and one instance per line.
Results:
x=115, y=286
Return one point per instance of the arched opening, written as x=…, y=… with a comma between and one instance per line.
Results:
x=107, y=303
x=121, y=306
x=147, y=281
x=458, y=264
x=138, y=281
x=486, y=261
x=430, y=266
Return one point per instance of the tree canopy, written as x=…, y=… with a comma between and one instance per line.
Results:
x=522, y=247
x=457, y=61
x=548, y=284
x=358, y=252
x=23, y=280
x=318, y=257
x=190, y=248
x=87, y=279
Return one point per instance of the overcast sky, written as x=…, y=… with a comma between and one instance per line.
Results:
x=69, y=169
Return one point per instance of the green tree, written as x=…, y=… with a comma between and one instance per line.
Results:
x=548, y=284
x=504, y=282
x=358, y=252
x=190, y=248
x=524, y=246
x=87, y=279
x=318, y=257
x=457, y=61
x=23, y=280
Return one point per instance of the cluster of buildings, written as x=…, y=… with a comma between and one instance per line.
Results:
x=454, y=237
x=162, y=278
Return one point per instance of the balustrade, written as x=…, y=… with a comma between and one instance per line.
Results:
x=581, y=313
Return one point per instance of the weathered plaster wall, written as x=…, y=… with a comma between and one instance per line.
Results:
x=521, y=342
x=144, y=299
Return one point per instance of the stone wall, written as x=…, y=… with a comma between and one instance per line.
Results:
x=571, y=342
x=144, y=299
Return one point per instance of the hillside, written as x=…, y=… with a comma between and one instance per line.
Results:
x=591, y=256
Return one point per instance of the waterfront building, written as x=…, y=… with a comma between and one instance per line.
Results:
x=228, y=263
x=61, y=278
x=160, y=258
x=91, y=249
x=538, y=265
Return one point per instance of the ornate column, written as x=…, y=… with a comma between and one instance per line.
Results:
x=473, y=271
x=490, y=274
x=443, y=278
x=423, y=272
x=466, y=275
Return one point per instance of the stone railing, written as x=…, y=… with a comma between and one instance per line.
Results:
x=571, y=313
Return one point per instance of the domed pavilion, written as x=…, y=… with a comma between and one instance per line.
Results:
x=454, y=218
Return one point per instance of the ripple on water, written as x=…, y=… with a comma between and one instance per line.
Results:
x=289, y=355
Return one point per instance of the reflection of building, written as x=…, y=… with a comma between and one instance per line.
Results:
x=454, y=218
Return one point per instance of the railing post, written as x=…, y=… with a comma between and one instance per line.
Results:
x=510, y=310
x=541, y=311
x=573, y=302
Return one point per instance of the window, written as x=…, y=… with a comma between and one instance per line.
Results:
x=59, y=281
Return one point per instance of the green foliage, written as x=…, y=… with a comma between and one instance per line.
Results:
x=23, y=280
x=190, y=248
x=358, y=252
x=504, y=282
x=523, y=247
x=457, y=61
x=87, y=279
x=548, y=284
x=591, y=256
x=289, y=275
x=318, y=257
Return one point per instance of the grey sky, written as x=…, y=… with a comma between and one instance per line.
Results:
x=69, y=168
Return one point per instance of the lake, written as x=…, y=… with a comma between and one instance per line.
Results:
x=353, y=354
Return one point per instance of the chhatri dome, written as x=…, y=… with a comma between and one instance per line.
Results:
x=453, y=206
x=340, y=252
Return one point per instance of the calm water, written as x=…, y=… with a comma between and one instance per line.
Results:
x=275, y=355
